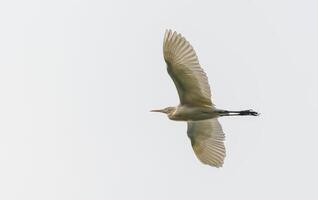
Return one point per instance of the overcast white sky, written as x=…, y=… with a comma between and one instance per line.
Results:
x=78, y=78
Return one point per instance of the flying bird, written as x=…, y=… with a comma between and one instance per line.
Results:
x=196, y=107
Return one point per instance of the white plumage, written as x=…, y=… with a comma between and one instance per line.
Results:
x=196, y=107
x=184, y=68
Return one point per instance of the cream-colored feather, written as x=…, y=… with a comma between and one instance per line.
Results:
x=196, y=107
x=207, y=139
x=184, y=69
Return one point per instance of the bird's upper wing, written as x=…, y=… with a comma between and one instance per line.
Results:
x=207, y=141
x=184, y=68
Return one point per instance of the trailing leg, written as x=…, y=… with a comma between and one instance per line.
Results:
x=237, y=113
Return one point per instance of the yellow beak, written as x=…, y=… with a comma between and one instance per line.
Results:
x=158, y=110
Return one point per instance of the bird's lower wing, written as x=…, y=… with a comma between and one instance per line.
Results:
x=207, y=139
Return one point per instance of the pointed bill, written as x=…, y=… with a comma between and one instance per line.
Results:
x=157, y=110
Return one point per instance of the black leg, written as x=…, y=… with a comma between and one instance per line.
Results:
x=237, y=113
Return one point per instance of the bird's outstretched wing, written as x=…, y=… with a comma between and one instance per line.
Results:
x=184, y=68
x=207, y=139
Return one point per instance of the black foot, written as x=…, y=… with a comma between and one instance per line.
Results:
x=249, y=112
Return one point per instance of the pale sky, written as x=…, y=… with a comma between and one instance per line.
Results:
x=78, y=78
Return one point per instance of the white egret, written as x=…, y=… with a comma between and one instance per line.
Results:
x=196, y=107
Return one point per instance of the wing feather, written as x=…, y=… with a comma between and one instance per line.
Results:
x=207, y=139
x=184, y=69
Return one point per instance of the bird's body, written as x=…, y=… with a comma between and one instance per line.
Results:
x=192, y=113
x=196, y=107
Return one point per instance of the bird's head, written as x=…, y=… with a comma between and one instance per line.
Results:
x=167, y=110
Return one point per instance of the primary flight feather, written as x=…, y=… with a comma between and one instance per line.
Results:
x=196, y=107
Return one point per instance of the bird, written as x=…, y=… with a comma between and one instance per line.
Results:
x=195, y=107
